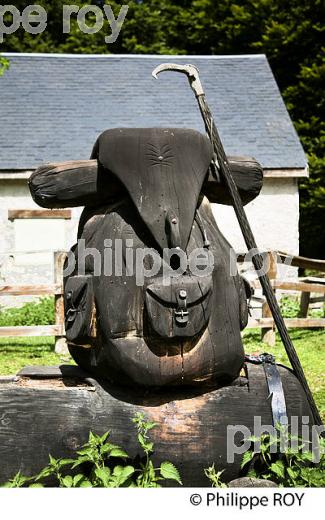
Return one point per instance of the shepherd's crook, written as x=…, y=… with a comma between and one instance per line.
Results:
x=193, y=76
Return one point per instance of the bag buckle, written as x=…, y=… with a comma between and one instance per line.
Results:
x=181, y=313
x=71, y=314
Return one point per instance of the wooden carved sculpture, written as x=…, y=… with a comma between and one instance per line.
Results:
x=151, y=188
x=152, y=299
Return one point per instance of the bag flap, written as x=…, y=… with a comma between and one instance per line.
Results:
x=197, y=288
x=163, y=170
x=77, y=292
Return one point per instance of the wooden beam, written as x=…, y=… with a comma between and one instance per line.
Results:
x=54, y=415
x=15, y=214
x=290, y=322
x=268, y=334
x=313, y=279
x=304, y=305
x=288, y=285
x=42, y=330
x=30, y=290
x=299, y=286
x=317, y=299
x=303, y=262
x=61, y=346
x=295, y=261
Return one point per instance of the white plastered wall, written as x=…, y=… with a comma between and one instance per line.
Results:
x=273, y=216
x=39, y=236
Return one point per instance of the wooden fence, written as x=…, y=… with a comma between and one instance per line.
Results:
x=55, y=290
x=305, y=286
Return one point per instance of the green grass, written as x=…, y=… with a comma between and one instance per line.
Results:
x=310, y=346
x=39, y=312
x=15, y=353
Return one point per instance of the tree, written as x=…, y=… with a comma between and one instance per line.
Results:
x=4, y=65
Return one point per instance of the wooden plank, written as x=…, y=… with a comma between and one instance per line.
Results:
x=316, y=299
x=303, y=262
x=304, y=304
x=299, y=286
x=30, y=290
x=290, y=322
x=268, y=334
x=41, y=330
x=305, y=322
x=290, y=285
x=295, y=261
x=14, y=214
x=60, y=341
x=313, y=279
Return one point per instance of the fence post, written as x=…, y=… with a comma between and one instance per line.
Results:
x=268, y=334
x=60, y=341
x=304, y=304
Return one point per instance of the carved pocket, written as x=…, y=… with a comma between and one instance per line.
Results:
x=245, y=292
x=180, y=308
x=79, y=310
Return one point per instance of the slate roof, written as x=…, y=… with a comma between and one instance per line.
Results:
x=54, y=106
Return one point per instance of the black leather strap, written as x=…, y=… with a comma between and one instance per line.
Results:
x=276, y=394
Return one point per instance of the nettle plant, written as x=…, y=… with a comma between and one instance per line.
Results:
x=293, y=466
x=96, y=463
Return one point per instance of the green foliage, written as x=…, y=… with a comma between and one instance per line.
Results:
x=215, y=477
x=96, y=463
x=34, y=313
x=312, y=206
x=283, y=458
x=17, y=481
x=16, y=353
x=4, y=65
x=305, y=101
x=291, y=466
x=148, y=476
x=289, y=306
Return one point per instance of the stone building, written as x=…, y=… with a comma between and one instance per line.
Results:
x=54, y=106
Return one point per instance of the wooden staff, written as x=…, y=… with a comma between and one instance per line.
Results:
x=223, y=166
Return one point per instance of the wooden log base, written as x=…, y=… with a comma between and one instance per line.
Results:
x=52, y=409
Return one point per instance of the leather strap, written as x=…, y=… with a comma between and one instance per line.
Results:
x=274, y=383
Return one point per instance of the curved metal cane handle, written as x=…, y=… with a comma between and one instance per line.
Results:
x=191, y=71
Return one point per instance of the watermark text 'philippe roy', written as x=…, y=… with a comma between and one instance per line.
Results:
x=34, y=19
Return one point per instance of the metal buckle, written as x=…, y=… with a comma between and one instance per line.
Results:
x=181, y=316
x=181, y=313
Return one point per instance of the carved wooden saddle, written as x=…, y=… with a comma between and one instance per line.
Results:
x=149, y=190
